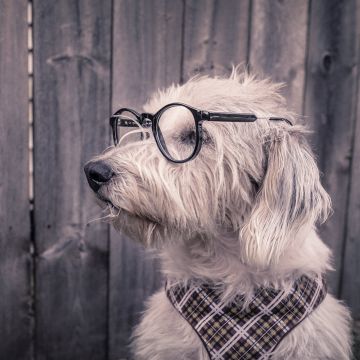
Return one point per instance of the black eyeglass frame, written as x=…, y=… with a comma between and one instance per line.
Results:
x=147, y=120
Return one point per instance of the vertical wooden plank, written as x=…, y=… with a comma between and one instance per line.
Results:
x=350, y=281
x=278, y=45
x=146, y=56
x=146, y=48
x=329, y=104
x=215, y=36
x=72, y=47
x=15, y=321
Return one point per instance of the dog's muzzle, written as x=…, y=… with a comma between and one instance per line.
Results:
x=98, y=173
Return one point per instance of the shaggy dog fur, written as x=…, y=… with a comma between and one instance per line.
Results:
x=242, y=214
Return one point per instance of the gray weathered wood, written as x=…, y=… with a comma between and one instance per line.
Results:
x=278, y=45
x=215, y=36
x=72, y=45
x=146, y=48
x=350, y=280
x=15, y=265
x=146, y=56
x=329, y=103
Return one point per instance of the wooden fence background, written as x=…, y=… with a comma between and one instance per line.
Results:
x=71, y=289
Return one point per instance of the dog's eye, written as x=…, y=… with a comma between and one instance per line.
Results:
x=188, y=137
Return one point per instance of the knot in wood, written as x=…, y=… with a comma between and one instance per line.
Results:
x=326, y=63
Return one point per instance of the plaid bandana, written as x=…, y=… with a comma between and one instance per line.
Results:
x=235, y=331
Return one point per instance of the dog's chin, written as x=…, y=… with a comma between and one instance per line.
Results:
x=141, y=228
x=105, y=203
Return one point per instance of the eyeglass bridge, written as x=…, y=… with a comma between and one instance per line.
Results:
x=146, y=123
x=146, y=120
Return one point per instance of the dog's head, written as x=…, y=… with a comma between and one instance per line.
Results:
x=257, y=181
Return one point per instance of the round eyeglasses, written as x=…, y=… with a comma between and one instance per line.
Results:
x=177, y=128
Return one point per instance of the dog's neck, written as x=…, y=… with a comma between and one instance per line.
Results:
x=219, y=264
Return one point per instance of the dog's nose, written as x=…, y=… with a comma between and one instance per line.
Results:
x=98, y=173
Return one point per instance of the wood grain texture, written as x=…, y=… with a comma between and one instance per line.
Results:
x=215, y=36
x=15, y=269
x=350, y=281
x=278, y=45
x=146, y=48
x=146, y=56
x=329, y=104
x=72, y=46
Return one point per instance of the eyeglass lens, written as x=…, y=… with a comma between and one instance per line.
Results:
x=127, y=129
x=176, y=132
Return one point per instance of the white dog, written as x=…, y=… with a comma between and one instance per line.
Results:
x=233, y=223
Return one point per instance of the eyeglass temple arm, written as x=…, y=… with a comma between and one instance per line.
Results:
x=281, y=119
x=228, y=117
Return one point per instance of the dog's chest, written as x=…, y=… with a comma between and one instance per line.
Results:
x=235, y=331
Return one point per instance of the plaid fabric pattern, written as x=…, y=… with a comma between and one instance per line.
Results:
x=232, y=331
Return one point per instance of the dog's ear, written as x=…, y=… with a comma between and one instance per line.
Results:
x=290, y=198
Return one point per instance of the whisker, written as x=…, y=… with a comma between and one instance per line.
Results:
x=131, y=133
x=111, y=215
